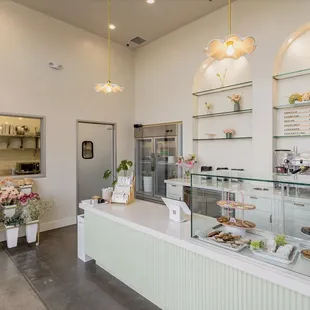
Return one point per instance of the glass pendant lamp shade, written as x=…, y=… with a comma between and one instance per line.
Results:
x=108, y=87
x=233, y=46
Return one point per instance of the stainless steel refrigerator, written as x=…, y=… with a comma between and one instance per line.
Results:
x=156, y=150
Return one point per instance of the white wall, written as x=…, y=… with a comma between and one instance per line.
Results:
x=165, y=69
x=29, y=40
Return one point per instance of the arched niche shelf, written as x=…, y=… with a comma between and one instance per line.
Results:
x=208, y=125
x=291, y=74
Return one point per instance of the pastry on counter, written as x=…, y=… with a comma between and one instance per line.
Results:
x=305, y=230
x=306, y=253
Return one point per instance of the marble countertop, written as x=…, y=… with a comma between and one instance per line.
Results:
x=152, y=219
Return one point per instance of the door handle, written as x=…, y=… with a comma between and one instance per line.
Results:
x=173, y=185
x=270, y=218
x=299, y=204
x=253, y=197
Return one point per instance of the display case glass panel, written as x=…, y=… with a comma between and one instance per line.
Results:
x=265, y=217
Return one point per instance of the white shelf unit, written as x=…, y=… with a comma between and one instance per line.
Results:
x=209, y=140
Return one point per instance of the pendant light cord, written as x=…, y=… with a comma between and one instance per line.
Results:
x=109, y=41
x=229, y=16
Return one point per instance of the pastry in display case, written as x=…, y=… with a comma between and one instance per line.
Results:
x=272, y=225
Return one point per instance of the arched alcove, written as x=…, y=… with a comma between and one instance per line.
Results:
x=209, y=142
x=292, y=75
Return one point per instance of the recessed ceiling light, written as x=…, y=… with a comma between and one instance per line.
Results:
x=112, y=26
x=150, y=1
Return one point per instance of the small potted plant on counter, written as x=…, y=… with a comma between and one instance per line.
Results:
x=229, y=133
x=8, y=199
x=147, y=181
x=34, y=208
x=11, y=225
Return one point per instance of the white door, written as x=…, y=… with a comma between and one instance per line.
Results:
x=95, y=154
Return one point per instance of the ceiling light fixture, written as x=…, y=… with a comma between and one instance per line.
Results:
x=112, y=27
x=233, y=46
x=108, y=87
x=150, y=1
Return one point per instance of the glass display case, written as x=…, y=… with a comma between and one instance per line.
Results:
x=265, y=217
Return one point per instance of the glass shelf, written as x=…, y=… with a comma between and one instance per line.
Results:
x=291, y=106
x=21, y=149
x=212, y=139
x=224, y=88
x=222, y=114
x=19, y=136
x=288, y=75
x=292, y=136
x=269, y=177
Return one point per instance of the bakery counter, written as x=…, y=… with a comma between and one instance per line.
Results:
x=156, y=257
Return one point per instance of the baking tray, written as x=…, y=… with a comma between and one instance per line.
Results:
x=201, y=234
x=272, y=256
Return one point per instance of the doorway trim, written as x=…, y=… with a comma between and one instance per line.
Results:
x=114, y=158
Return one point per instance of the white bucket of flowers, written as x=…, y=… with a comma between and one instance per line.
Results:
x=11, y=225
x=34, y=208
x=25, y=185
x=8, y=199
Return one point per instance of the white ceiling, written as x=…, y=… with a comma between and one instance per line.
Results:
x=131, y=17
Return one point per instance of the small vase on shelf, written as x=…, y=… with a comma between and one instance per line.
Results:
x=229, y=135
x=236, y=106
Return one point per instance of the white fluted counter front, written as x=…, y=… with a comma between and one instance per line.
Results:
x=156, y=257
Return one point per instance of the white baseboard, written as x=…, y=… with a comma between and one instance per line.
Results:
x=45, y=226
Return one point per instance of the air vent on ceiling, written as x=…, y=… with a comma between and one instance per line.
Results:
x=138, y=40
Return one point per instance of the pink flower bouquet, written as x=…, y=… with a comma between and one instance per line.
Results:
x=187, y=163
x=9, y=196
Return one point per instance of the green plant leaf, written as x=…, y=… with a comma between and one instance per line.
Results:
x=107, y=174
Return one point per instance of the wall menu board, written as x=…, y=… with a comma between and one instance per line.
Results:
x=296, y=122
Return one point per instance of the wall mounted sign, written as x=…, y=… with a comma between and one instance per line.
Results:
x=296, y=122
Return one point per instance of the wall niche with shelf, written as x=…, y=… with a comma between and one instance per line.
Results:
x=214, y=82
x=292, y=76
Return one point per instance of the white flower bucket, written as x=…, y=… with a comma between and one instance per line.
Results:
x=11, y=236
x=9, y=211
x=31, y=231
x=27, y=189
x=148, y=184
x=107, y=193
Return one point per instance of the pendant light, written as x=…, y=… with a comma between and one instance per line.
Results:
x=233, y=46
x=108, y=87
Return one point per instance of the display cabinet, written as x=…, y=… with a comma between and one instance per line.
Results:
x=265, y=217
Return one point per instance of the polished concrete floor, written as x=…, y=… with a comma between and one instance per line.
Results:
x=64, y=282
x=15, y=292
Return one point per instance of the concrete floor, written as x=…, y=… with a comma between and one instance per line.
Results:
x=64, y=282
x=15, y=292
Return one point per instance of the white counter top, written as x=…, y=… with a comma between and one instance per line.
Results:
x=152, y=219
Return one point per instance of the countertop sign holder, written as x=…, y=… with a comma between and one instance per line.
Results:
x=124, y=190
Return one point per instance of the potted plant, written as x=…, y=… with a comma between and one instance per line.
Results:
x=8, y=199
x=34, y=208
x=209, y=107
x=187, y=163
x=25, y=185
x=147, y=181
x=235, y=99
x=229, y=132
x=11, y=225
x=125, y=165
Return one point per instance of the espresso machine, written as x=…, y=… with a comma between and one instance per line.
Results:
x=292, y=162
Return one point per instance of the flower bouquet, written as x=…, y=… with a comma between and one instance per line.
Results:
x=187, y=163
x=235, y=99
x=8, y=200
x=34, y=208
x=229, y=132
